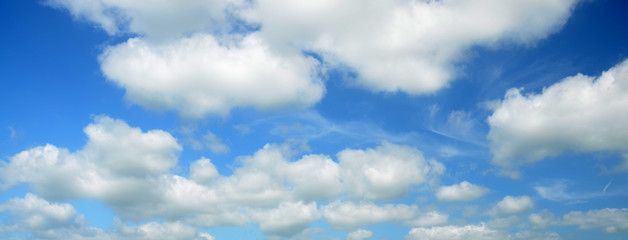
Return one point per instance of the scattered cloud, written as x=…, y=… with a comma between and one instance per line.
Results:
x=359, y=234
x=200, y=75
x=610, y=220
x=215, y=143
x=579, y=113
x=542, y=220
x=37, y=218
x=366, y=175
x=129, y=170
x=463, y=191
x=391, y=40
x=512, y=205
x=455, y=232
x=349, y=215
x=260, y=46
x=480, y=232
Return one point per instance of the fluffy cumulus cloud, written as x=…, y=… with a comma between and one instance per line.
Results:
x=611, y=220
x=541, y=220
x=579, y=113
x=480, y=232
x=156, y=19
x=37, y=218
x=349, y=215
x=129, y=170
x=288, y=219
x=455, y=232
x=386, y=172
x=206, y=57
x=34, y=213
x=359, y=234
x=409, y=46
x=201, y=75
x=512, y=205
x=463, y=191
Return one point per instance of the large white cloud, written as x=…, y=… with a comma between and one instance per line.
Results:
x=611, y=220
x=464, y=191
x=409, y=46
x=288, y=219
x=350, y=215
x=129, y=170
x=201, y=75
x=512, y=205
x=579, y=113
x=386, y=172
x=359, y=234
x=34, y=217
x=206, y=57
x=479, y=232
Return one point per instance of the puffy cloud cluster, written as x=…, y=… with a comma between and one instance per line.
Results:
x=455, y=232
x=207, y=57
x=359, y=234
x=611, y=220
x=200, y=74
x=464, y=191
x=512, y=205
x=349, y=215
x=37, y=218
x=580, y=113
x=480, y=232
x=128, y=170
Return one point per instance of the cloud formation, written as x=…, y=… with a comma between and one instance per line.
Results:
x=129, y=170
x=512, y=205
x=200, y=75
x=207, y=57
x=579, y=113
x=463, y=191
x=611, y=220
x=34, y=217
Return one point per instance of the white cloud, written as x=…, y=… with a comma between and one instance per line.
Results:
x=117, y=163
x=611, y=220
x=478, y=232
x=215, y=143
x=505, y=222
x=463, y=191
x=202, y=75
x=431, y=218
x=288, y=219
x=156, y=19
x=203, y=171
x=38, y=214
x=128, y=170
x=348, y=215
x=541, y=220
x=409, y=46
x=129, y=151
x=154, y=230
x=512, y=205
x=386, y=172
x=359, y=234
x=579, y=113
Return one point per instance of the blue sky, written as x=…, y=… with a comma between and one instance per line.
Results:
x=235, y=119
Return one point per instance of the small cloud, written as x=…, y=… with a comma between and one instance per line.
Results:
x=512, y=205
x=215, y=143
x=463, y=191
